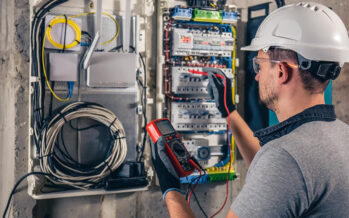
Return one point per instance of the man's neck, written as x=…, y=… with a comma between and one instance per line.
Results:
x=296, y=104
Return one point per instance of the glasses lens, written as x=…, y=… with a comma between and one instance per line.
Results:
x=255, y=64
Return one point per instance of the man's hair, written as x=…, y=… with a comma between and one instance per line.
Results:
x=311, y=83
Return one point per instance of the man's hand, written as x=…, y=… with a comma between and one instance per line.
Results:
x=216, y=88
x=168, y=178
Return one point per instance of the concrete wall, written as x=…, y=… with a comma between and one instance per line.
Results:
x=14, y=63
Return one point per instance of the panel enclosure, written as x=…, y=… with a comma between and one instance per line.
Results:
x=191, y=40
x=111, y=83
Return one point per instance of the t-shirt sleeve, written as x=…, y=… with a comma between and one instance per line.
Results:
x=274, y=187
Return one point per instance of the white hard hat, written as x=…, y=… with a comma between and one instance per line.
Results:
x=310, y=29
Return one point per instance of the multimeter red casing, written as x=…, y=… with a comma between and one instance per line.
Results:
x=174, y=148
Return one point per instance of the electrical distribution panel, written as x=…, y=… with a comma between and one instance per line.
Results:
x=87, y=100
x=195, y=38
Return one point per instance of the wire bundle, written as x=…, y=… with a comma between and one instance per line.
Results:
x=72, y=24
x=65, y=173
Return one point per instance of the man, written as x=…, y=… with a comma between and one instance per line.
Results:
x=302, y=170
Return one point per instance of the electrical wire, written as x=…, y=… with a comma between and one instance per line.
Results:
x=72, y=24
x=228, y=138
x=70, y=84
x=174, y=98
x=192, y=190
x=144, y=106
x=226, y=107
x=38, y=96
x=167, y=60
x=15, y=188
x=223, y=77
x=233, y=67
x=111, y=17
x=143, y=94
x=62, y=19
x=58, y=19
x=66, y=173
x=200, y=207
x=196, y=199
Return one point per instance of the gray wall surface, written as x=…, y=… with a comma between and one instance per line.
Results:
x=14, y=68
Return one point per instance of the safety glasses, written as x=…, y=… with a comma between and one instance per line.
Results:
x=256, y=61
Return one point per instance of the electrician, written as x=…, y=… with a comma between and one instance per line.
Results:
x=302, y=168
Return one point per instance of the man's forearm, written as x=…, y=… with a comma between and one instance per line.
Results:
x=247, y=144
x=177, y=205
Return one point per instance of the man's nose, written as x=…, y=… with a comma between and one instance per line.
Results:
x=257, y=77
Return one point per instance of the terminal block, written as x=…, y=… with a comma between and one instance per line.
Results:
x=182, y=13
x=213, y=174
x=207, y=16
x=221, y=173
x=229, y=17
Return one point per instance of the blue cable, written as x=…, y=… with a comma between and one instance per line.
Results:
x=70, y=88
x=226, y=160
x=84, y=44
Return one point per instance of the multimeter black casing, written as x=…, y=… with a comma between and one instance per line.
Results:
x=174, y=148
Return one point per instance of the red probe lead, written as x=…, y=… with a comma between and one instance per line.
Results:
x=204, y=73
x=226, y=108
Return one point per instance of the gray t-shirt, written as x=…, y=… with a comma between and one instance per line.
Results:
x=304, y=173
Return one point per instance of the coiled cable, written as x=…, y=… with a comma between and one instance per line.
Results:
x=65, y=173
x=72, y=24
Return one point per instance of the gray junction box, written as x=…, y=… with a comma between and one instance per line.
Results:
x=109, y=69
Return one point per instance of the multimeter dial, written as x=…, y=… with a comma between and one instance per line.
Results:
x=178, y=149
x=175, y=149
x=182, y=156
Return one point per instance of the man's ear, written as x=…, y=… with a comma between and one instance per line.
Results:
x=285, y=73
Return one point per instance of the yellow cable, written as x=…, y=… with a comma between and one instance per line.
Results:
x=61, y=19
x=234, y=49
x=111, y=17
x=233, y=88
x=44, y=69
x=72, y=24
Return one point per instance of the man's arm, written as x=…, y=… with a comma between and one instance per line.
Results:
x=169, y=181
x=177, y=205
x=247, y=144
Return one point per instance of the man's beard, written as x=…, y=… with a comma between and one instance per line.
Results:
x=268, y=97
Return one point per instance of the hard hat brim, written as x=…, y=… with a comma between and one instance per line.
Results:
x=251, y=48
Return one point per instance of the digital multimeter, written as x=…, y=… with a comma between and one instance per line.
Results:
x=174, y=148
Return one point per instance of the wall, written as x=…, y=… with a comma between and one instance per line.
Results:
x=14, y=63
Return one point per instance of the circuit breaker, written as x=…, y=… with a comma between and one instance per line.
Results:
x=193, y=38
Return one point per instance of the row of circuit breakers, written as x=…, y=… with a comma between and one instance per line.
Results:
x=89, y=95
x=195, y=39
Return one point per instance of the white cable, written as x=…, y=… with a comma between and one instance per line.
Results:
x=49, y=137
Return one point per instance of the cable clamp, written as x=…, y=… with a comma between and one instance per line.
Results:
x=139, y=148
x=109, y=168
x=63, y=116
x=112, y=123
x=140, y=109
x=34, y=79
x=46, y=155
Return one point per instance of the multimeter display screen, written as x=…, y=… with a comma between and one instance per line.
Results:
x=165, y=127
